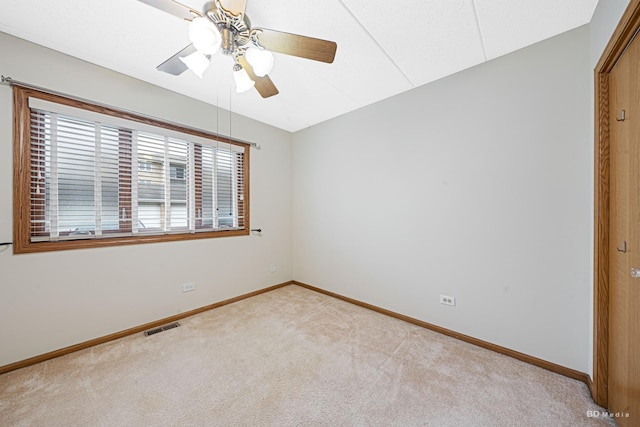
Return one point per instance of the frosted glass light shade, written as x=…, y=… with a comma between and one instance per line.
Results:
x=242, y=79
x=261, y=61
x=197, y=62
x=204, y=36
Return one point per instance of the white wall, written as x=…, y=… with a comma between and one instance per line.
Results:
x=52, y=300
x=476, y=186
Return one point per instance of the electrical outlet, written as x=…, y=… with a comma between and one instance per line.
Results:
x=274, y=268
x=447, y=300
x=188, y=287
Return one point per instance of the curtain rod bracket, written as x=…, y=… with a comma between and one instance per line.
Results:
x=6, y=80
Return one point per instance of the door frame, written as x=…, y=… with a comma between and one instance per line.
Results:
x=620, y=39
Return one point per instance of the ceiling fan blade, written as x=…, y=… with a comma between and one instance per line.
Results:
x=173, y=65
x=264, y=85
x=236, y=7
x=296, y=45
x=173, y=8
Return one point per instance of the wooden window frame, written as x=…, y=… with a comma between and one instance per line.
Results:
x=22, y=178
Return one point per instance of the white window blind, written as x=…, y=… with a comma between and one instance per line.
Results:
x=94, y=176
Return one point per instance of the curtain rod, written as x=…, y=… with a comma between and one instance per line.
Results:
x=8, y=81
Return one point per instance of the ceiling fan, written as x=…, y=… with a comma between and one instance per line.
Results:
x=223, y=25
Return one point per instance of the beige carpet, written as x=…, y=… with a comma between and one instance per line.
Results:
x=291, y=357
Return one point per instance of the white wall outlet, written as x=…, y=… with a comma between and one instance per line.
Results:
x=274, y=267
x=188, y=287
x=447, y=300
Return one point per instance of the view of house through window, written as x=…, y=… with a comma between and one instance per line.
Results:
x=95, y=176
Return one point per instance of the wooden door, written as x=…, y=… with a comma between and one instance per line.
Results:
x=624, y=248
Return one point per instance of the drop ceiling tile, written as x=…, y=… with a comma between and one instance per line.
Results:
x=317, y=98
x=427, y=40
x=361, y=70
x=508, y=25
x=120, y=34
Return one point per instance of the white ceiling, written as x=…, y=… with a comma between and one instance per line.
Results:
x=384, y=48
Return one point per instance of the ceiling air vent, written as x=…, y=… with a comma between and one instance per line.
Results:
x=161, y=328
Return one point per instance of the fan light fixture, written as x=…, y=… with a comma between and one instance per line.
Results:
x=197, y=62
x=261, y=61
x=227, y=29
x=204, y=35
x=243, y=82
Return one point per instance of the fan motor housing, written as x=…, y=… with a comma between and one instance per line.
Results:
x=233, y=28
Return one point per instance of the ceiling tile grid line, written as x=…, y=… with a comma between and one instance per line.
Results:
x=374, y=40
x=475, y=13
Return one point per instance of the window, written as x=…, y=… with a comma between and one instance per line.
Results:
x=90, y=176
x=177, y=171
